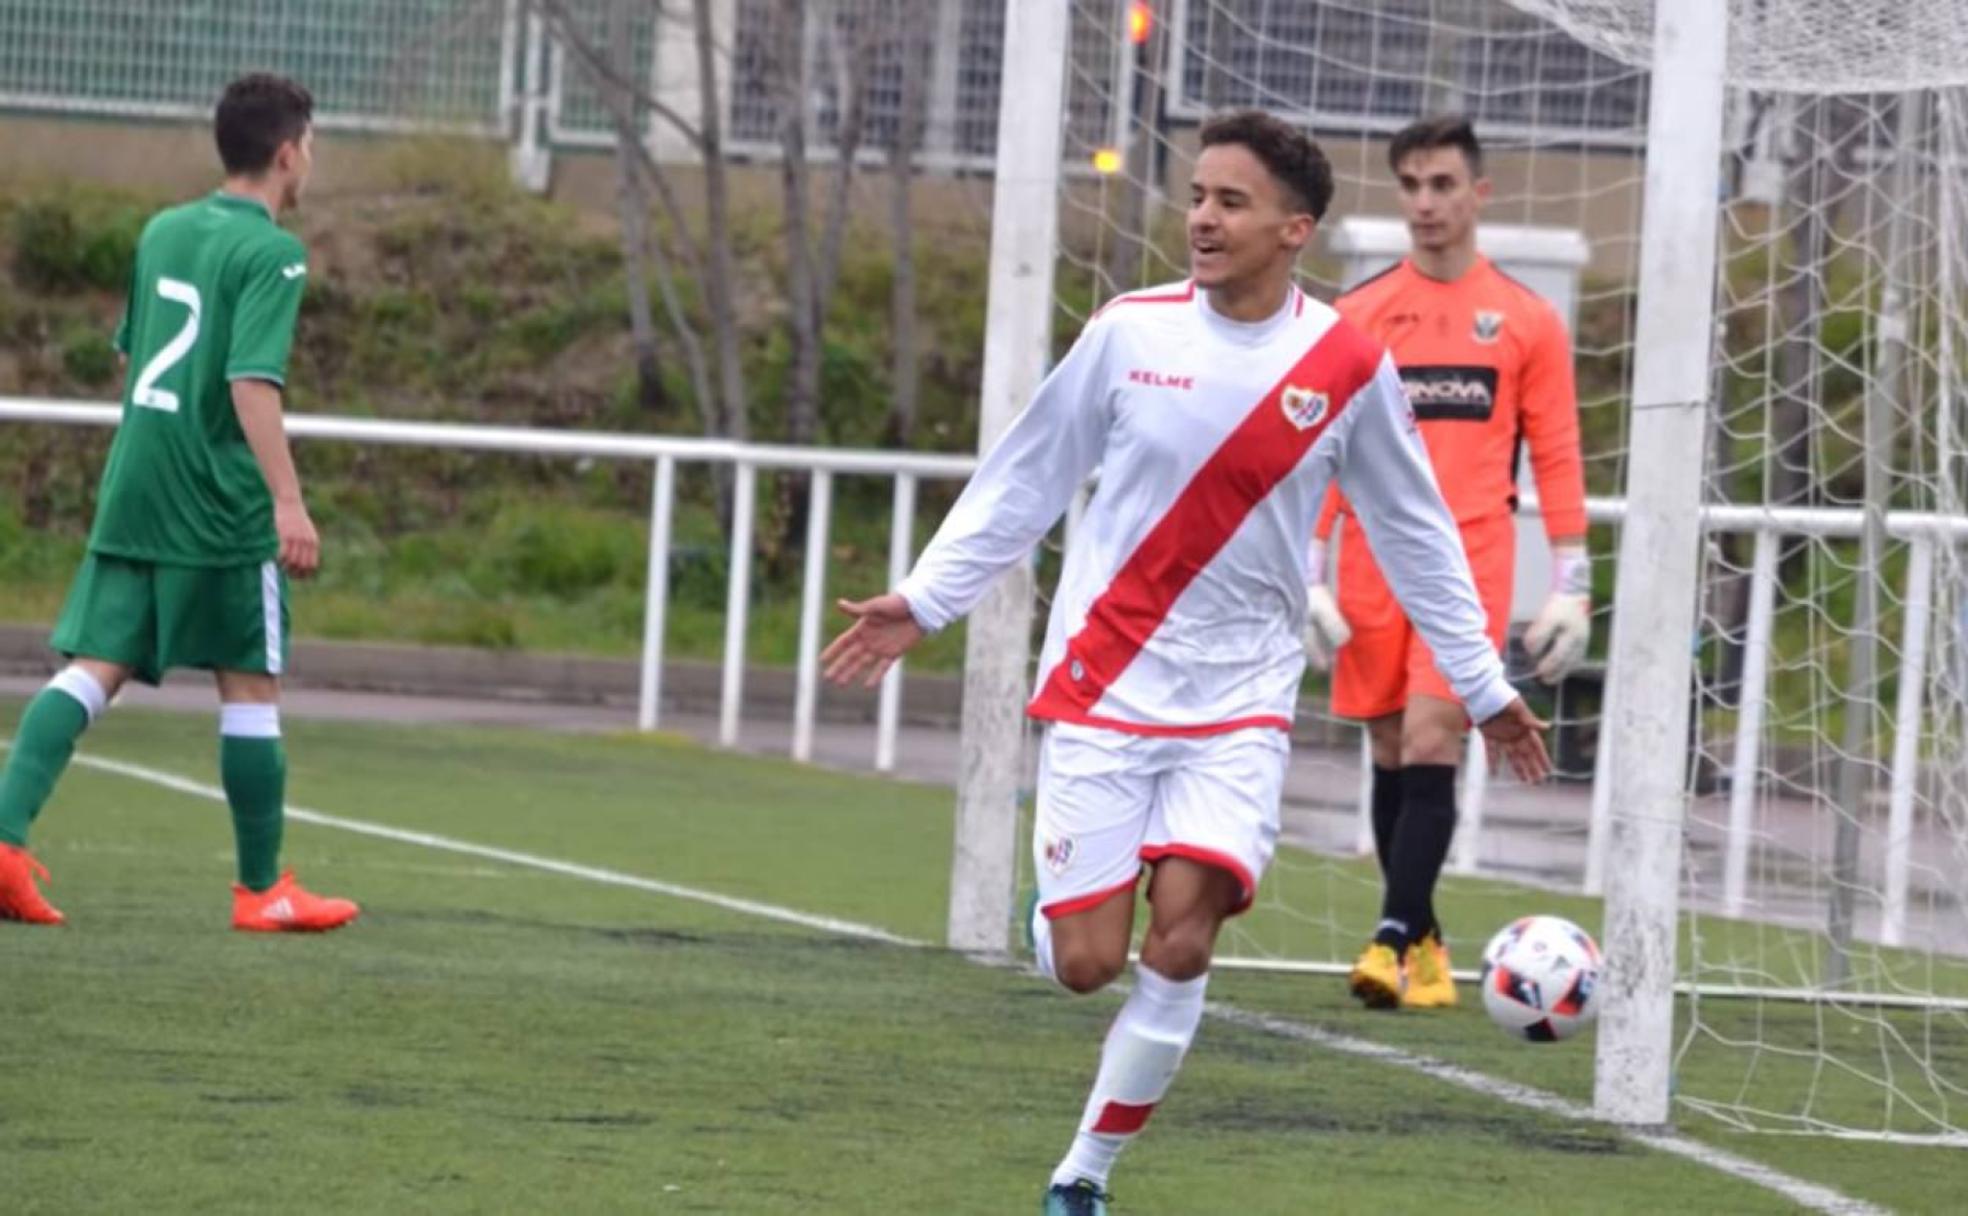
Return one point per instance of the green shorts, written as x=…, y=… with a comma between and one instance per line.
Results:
x=154, y=617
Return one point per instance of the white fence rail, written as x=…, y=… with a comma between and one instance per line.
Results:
x=664, y=453
x=1925, y=531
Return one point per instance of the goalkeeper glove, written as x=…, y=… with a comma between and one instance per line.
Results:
x=1558, y=638
x=1325, y=628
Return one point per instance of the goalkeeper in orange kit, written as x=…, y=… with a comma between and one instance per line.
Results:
x=1487, y=366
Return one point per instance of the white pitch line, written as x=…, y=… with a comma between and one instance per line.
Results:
x=1808, y=1195
x=430, y=840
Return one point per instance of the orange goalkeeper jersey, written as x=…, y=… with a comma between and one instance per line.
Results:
x=1487, y=365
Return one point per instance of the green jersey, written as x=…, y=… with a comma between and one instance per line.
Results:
x=213, y=299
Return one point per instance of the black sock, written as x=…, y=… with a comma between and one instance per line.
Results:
x=1420, y=846
x=1386, y=802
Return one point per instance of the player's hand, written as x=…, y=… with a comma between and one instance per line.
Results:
x=1563, y=629
x=1558, y=638
x=300, y=544
x=1326, y=629
x=1515, y=736
x=883, y=631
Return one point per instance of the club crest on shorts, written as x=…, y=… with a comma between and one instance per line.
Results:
x=1304, y=408
x=1059, y=853
x=1489, y=326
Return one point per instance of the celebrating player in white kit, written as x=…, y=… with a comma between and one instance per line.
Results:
x=1217, y=410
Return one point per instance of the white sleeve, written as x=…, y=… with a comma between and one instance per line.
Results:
x=1021, y=488
x=1384, y=472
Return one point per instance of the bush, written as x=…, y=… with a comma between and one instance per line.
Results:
x=29, y=555
x=454, y=296
x=554, y=549
x=68, y=242
x=88, y=356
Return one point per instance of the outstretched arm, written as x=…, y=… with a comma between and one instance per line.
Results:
x=1515, y=737
x=1020, y=489
x=1018, y=493
x=883, y=631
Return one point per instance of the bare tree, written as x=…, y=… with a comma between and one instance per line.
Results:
x=852, y=45
x=721, y=280
x=705, y=258
x=905, y=367
x=813, y=269
x=813, y=259
x=633, y=205
x=620, y=93
x=803, y=303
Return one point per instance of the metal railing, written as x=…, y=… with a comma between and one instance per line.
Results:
x=664, y=453
x=1926, y=532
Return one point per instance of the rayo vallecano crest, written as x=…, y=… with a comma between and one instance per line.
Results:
x=1304, y=407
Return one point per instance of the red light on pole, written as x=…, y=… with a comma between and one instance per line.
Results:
x=1141, y=21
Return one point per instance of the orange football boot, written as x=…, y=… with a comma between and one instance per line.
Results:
x=285, y=907
x=20, y=897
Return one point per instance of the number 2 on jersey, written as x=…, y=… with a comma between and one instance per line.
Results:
x=146, y=393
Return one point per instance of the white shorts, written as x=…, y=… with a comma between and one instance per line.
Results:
x=1109, y=801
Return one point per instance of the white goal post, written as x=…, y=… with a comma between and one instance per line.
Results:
x=1653, y=616
x=1017, y=351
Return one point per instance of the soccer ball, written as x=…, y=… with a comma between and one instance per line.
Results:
x=1541, y=978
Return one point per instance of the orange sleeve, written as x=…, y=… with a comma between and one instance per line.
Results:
x=1322, y=531
x=1347, y=305
x=1549, y=408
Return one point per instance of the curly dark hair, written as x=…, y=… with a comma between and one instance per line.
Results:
x=256, y=115
x=1290, y=154
x=1441, y=131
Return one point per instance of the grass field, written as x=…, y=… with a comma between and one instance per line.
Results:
x=491, y=1037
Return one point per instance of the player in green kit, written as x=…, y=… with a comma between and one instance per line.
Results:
x=199, y=519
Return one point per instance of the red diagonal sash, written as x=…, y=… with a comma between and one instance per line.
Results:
x=1241, y=473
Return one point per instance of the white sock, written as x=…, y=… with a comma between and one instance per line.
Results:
x=249, y=720
x=82, y=686
x=1144, y=1048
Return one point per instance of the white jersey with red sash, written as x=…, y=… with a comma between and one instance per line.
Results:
x=1181, y=602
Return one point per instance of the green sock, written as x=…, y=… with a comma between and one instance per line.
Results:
x=43, y=743
x=254, y=773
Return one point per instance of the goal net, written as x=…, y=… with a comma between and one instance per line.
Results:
x=1824, y=952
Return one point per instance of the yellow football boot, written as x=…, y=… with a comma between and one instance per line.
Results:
x=1376, y=978
x=1430, y=986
